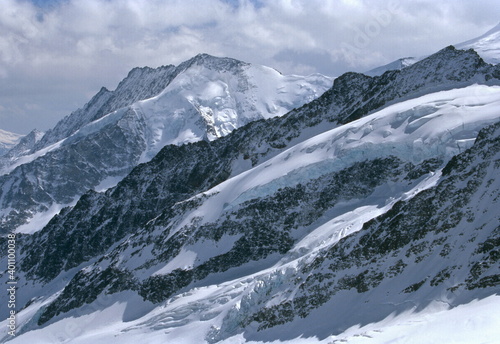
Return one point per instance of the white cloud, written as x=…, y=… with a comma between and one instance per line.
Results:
x=62, y=53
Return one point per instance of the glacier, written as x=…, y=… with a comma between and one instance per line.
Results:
x=203, y=98
x=212, y=312
x=368, y=214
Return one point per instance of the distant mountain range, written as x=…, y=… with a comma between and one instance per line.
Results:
x=93, y=148
x=221, y=202
x=8, y=140
x=487, y=46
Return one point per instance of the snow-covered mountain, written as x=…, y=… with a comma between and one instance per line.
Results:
x=8, y=140
x=395, y=65
x=486, y=45
x=363, y=211
x=24, y=145
x=205, y=97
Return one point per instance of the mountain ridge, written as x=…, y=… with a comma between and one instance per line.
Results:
x=486, y=45
x=222, y=167
x=378, y=197
x=97, y=148
x=484, y=144
x=8, y=140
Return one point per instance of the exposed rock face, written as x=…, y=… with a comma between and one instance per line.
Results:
x=93, y=148
x=434, y=245
x=379, y=196
x=7, y=141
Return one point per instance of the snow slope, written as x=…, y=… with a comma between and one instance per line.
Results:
x=367, y=215
x=215, y=309
x=474, y=322
x=207, y=98
x=202, y=103
x=395, y=65
x=487, y=45
x=203, y=98
x=8, y=140
x=441, y=125
x=100, y=153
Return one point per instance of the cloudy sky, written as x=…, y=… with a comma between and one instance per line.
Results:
x=56, y=54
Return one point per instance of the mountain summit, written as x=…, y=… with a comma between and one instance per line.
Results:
x=486, y=45
x=221, y=202
x=8, y=140
x=203, y=98
x=375, y=201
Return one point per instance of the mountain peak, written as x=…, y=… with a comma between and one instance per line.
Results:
x=213, y=62
x=205, y=97
x=487, y=46
x=468, y=59
x=8, y=140
x=23, y=145
x=204, y=57
x=147, y=69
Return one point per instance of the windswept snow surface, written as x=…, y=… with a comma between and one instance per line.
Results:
x=475, y=322
x=438, y=125
x=441, y=124
x=202, y=103
x=487, y=45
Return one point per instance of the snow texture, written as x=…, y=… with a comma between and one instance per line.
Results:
x=379, y=228
x=8, y=140
x=441, y=124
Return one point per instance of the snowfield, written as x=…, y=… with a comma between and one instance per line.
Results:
x=219, y=202
x=202, y=103
x=437, y=125
x=204, y=98
x=440, y=124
